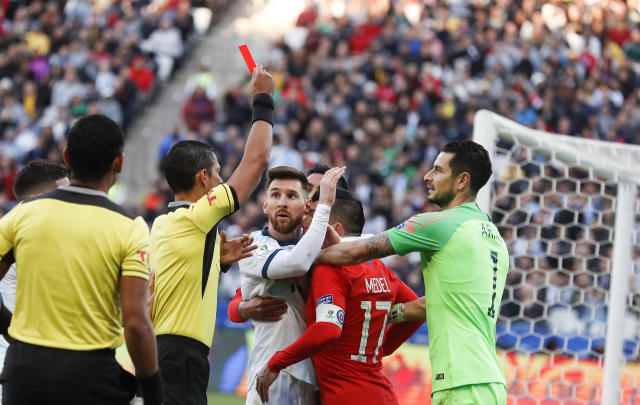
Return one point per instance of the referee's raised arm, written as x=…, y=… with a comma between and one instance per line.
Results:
x=256, y=152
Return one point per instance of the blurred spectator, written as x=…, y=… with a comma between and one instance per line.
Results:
x=197, y=108
x=165, y=43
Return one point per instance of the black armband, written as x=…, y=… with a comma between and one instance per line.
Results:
x=224, y=267
x=263, y=108
x=5, y=319
x=152, y=389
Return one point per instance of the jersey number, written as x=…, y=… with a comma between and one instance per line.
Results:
x=494, y=258
x=366, y=305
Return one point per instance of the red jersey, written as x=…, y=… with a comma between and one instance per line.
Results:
x=347, y=313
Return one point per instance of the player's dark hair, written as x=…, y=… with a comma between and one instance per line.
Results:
x=322, y=169
x=472, y=158
x=286, y=172
x=94, y=142
x=348, y=211
x=183, y=161
x=38, y=176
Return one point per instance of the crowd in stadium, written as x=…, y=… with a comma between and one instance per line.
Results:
x=62, y=60
x=380, y=95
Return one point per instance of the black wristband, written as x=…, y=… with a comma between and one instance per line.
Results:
x=152, y=389
x=263, y=107
x=5, y=319
x=224, y=267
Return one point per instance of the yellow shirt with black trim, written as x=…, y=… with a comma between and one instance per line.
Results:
x=185, y=255
x=71, y=247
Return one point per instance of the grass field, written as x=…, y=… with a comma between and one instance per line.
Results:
x=223, y=399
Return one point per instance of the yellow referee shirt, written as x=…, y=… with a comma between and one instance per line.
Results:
x=71, y=247
x=185, y=254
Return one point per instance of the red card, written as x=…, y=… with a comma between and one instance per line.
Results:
x=248, y=59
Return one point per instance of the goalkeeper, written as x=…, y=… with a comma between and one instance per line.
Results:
x=465, y=264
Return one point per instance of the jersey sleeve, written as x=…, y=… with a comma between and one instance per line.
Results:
x=217, y=203
x=425, y=232
x=7, y=236
x=329, y=290
x=258, y=263
x=135, y=262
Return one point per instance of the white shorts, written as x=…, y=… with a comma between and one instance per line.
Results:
x=285, y=390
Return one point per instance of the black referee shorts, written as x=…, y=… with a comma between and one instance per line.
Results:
x=37, y=375
x=185, y=370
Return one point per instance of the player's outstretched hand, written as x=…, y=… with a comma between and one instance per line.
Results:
x=264, y=380
x=264, y=309
x=328, y=185
x=235, y=249
x=262, y=82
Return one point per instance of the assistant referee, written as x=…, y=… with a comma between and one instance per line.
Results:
x=185, y=247
x=83, y=265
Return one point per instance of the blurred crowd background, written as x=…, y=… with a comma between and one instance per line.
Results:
x=377, y=86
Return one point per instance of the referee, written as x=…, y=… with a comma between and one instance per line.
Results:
x=83, y=276
x=185, y=247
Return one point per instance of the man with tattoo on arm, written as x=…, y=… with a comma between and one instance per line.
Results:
x=465, y=264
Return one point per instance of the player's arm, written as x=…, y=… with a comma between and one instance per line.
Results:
x=138, y=331
x=328, y=286
x=258, y=147
x=264, y=309
x=357, y=251
x=296, y=262
x=7, y=229
x=398, y=333
x=411, y=311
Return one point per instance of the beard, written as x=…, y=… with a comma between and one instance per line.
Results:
x=285, y=226
x=442, y=198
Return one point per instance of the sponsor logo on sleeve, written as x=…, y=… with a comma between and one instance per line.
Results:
x=325, y=299
x=401, y=226
x=341, y=317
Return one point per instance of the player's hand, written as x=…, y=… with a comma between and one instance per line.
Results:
x=151, y=290
x=331, y=237
x=235, y=249
x=264, y=380
x=262, y=82
x=264, y=309
x=328, y=185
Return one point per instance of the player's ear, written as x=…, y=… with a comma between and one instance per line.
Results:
x=117, y=163
x=65, y=155
x=339, y=229
x=464, y=180
x=308, y=206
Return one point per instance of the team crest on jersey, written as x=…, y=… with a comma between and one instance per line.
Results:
x=262, y=250
x=325, y=299
x=341, y=317
x=402, y=225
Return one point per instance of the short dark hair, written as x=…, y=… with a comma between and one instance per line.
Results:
x=183, y=161
x=286, y=172
x=470, y=157
x=348, y=211
x=322, y=169
x=94, y=142
x=38, y=176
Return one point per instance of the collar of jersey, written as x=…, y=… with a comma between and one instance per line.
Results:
x=281, y=243
x=84, y=190
x=179, y=203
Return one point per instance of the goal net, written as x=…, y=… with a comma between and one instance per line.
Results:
x=568, y=209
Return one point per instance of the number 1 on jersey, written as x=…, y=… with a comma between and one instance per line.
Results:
x=366, y=305
x=494, y=258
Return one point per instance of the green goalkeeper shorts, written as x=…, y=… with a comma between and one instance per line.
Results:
x=474, y=394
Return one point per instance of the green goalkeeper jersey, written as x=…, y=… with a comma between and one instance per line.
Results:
x=465, y=264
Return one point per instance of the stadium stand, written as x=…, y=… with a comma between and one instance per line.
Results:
x=61, y=60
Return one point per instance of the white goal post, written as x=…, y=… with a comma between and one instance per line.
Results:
x=613, y=163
